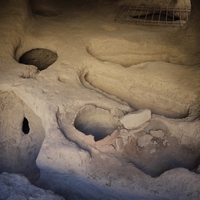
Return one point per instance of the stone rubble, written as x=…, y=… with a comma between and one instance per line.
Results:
x=144, y=140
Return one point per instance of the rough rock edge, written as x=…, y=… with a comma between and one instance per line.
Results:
x=15, y=186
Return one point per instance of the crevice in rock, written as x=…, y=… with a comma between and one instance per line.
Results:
x=25, y=126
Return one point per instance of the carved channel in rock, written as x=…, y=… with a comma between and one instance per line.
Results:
x=157, y=93
x=95, y=121
x=41, y=58
x=129, y=53
x=21, y=137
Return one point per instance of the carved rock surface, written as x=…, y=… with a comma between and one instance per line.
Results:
x=17, y=187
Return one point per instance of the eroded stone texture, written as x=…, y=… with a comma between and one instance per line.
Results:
x=99, y=68
x=14, y=186
x=21, y=137
x=144, y=141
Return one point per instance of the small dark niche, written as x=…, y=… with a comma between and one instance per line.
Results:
x=41, y=58
x=25, y=126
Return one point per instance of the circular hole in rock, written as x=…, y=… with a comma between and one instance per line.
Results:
x=95, y=121
x=41, y=58
x=50, y=8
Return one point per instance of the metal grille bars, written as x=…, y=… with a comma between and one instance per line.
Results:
x=153, y=16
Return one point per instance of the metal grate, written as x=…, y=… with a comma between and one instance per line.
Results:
x=153, y=16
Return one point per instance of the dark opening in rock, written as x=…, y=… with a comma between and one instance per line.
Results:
x=25, y=126
x=95, y=121
x=41, y=58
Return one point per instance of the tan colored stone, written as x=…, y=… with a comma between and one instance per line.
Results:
x=158, y=133
x=144, y=140
x=136, y=119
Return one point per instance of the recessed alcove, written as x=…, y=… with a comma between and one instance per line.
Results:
x=95, y=121
x=39, y=57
